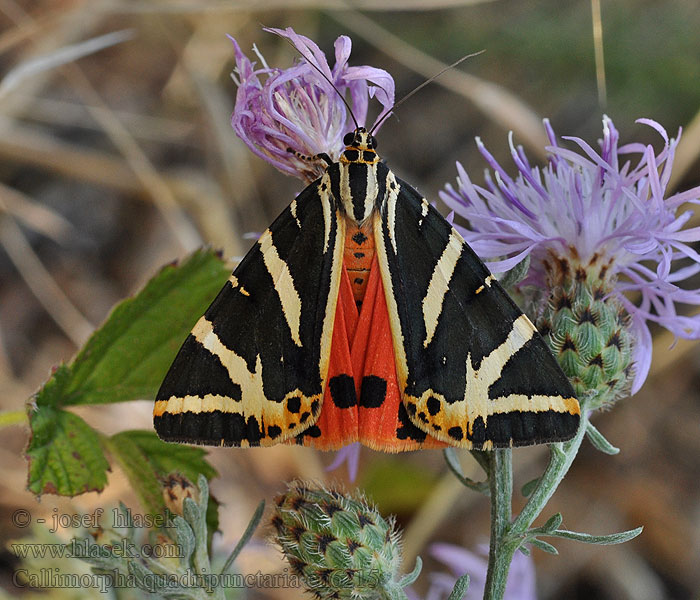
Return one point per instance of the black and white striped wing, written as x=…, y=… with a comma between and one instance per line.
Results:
x=252, y=371
x=472, y=368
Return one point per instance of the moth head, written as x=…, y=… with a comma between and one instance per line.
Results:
x=360, y=139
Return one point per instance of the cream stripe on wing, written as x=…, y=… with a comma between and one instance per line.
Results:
x=438, y=286
x=393, y=187
x=293, y=211
x=284, y=285
x=476, y=390
x=326, y=207
x=251, y=383
x=423, y=211
x=371, y=190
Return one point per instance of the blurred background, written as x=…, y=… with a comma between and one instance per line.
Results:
x=123, y=160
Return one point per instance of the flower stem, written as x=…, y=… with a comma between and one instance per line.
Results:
x=500, y=552
x=562, y=455
x=506, y=537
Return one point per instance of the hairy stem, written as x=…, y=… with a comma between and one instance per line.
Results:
x=562, y=455
x=506, y=537
x=500, y=551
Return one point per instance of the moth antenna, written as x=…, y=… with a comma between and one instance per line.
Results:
x=420, y=87
x=337, y=91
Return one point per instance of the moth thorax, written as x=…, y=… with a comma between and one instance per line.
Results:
x=359, y=190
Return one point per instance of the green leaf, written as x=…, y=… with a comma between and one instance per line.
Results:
x=516, y=274
x=552, y=523
x=245, y=538
x=411, y=577
x=127, y=358
x=483, y=458
x=460, y=588
x=603, y=540
x=544, y=546
x=599, y=442
x=455, y=466
x=146, y=460
x=529, y=487
x=184, y=539
x=65, y=456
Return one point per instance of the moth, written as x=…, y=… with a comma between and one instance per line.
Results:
x=361, y=314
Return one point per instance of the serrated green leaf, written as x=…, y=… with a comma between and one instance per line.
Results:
x=602, y=540
x=599, y=442
x=146, y=460
x=127, y=358
x=166, y=458
x=544, y=546
x=65, y=456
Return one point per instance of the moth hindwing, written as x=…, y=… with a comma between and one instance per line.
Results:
x=362, y=315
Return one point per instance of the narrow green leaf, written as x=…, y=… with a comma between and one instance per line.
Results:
x=454, y=465
x=544, y=546
x=127, y=358
x=552, y=523
x=452, y=461
x=65, y=456
x=482, y=457
x=184, y=538
x=456, y=468
x=599, y=442
x=245, y=538
x=529, y=487
x=603, y=540
x=460, y=588
x=411, y=577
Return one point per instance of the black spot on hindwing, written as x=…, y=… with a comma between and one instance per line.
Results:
x=342, y=389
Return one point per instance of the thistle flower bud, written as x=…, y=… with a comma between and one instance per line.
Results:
x=176, y=488
x=340, y=546
x=588, y=330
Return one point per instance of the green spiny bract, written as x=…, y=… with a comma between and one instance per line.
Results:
x=340, y=546
x=587, y=331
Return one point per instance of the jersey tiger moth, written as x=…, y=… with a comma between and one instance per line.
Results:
x=362, y=315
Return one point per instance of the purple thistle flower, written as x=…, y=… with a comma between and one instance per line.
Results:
x=301, y=107
x=521, y=576
x=588, y=207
